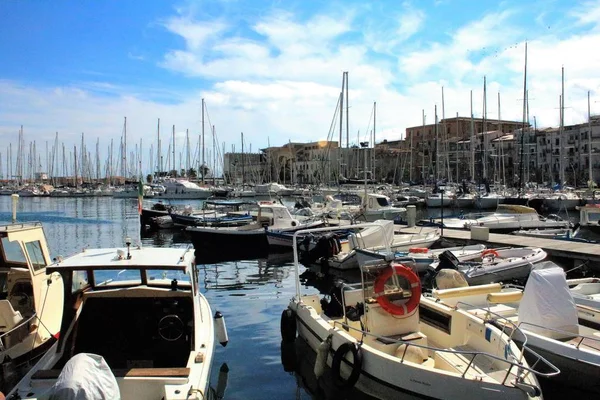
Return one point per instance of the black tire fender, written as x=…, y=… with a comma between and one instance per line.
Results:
x=288, y=325
x=338, y=357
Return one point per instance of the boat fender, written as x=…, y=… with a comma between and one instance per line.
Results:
x=288, y=325
x=322, y=353
x=221, y=329
x=336, y=364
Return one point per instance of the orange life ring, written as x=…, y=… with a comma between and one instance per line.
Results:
x=489, y=252
x=418, y=250
x=415, y=285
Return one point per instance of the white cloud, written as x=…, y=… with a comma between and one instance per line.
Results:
x=283, y=80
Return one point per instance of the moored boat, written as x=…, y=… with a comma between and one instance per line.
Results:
x=385, y=339
x=135, y=326
x=31, y=301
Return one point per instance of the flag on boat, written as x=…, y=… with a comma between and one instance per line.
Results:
x=140, y=196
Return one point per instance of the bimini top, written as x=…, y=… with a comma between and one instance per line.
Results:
x=177, y=259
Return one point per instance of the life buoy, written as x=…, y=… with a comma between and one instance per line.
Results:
x=336, y=363
x=418, y=250
x=415, y=285
x=288, y=325
x=489, y=252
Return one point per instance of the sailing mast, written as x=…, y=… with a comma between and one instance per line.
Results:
x=435, y=165
x=174, y=163
x=484, y=135
x=590, y=173
x=524, y=116
x=374, y=133
x=562, y=126
x=202, y=166
x=472, y=141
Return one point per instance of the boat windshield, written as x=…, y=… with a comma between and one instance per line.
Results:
x=133, y=277
x=383, y=202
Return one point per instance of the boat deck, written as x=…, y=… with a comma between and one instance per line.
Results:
x=555, y=248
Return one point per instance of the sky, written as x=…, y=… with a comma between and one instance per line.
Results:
x=273, y=69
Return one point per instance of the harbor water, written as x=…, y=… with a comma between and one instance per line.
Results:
x=251, y=294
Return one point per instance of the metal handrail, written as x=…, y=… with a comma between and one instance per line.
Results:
x=567, y=333
x=512, y=364
x=524, y=347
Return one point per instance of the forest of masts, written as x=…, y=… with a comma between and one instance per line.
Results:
x=56, y=163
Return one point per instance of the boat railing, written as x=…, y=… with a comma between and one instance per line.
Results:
x=514, y=363
x=524, y=347
x=17, y=225
x=572, y=335
x=19, y=332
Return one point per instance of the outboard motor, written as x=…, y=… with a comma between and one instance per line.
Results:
x=447, y=260
x=327, y=246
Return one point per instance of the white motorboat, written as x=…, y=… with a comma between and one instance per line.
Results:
x=586, y=294
x=379, y=236
x=272, y=216
x=589, y=217
x=183, y=189
x=494, y=265
x=32, y=302
x=135, y=325
x=506, y=219
x=560, y=233
x=562, y=201
x=420, y=258
x=547, y=316
x=387, y=340
x=378, y=206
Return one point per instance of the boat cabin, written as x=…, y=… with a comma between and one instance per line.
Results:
x=589, y=216
x=139, y=309
x=29, y=298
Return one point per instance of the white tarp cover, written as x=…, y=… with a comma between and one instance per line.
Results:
x=85, y=377
x=547, y=302
x=374, y=236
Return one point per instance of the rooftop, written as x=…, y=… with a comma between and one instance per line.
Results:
x=116, y=259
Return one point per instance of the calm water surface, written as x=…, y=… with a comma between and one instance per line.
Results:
x=251, y=295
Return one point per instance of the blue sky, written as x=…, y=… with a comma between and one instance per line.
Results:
x=273, y=69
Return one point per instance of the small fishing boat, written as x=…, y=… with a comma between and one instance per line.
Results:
x=506, y=219
x=272, y=216
x=495, y=265
x=31, y=301
x=135, y=325
x=586, y=294
x=421, y=258
x=547, y=317
x=385, y=339
x=378, y=236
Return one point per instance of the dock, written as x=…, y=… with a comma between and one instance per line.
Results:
x=563, y=249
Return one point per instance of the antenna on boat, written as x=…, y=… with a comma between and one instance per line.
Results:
x=15, y=201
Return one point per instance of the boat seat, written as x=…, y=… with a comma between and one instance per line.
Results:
x=495, y=310
x=9, y=318
x=124, y=373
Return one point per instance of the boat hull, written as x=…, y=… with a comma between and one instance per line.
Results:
x=386, y=378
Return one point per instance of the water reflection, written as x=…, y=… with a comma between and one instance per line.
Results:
x=298, y=359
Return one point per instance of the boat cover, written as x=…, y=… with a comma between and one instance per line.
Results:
x=85, y=377
x=547, y=302
x=373, y=236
